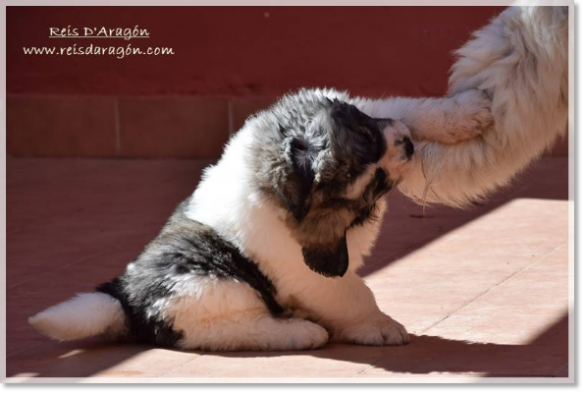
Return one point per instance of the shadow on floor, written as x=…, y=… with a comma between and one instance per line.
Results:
x=545, y=181
x=405, y=229
x=425, y=355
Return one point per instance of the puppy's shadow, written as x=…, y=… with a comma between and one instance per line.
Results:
x=543, y=356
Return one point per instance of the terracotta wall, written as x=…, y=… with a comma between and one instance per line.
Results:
x=228, y=62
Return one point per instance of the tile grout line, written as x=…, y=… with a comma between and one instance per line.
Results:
x=12, y=286
x=566, y=365
x=497, y=285
x=424, y=241
x=181, y=365
x=60, y=268
x=477, y=298
x=8, y=355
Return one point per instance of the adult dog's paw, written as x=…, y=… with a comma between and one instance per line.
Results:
x=470, y=115
x=379, y=331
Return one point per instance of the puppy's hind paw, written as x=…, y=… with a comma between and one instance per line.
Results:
x=380, y=331
x=294, y=334
x=309, y=336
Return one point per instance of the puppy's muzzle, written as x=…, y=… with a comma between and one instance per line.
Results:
x=398, y=138
x=408, y=147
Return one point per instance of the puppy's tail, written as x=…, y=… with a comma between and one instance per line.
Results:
x=85, y=315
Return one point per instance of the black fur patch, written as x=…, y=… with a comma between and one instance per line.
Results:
x=134, y=299
x=184, y=247
x=330, y=262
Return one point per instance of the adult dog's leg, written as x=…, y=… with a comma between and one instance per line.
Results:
x=521, y=60
x=347, y=308
x=447, y=120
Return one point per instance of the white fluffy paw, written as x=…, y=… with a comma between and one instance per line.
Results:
x=469, y=117
x=306, y=335
x=383, y=330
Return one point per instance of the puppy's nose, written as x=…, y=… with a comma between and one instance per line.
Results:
x=408, y=147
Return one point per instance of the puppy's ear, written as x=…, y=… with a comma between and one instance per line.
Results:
x=297, y=190
x=328, y=260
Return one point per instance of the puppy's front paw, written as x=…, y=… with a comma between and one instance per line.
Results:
x=379, y=331
x=471, y=115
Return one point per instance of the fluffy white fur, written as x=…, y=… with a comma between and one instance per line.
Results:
x=227, y=315
x=86, y=315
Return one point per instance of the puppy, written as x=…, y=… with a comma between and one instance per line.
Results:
x=263, y=255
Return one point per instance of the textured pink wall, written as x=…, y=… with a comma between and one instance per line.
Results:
x=229, y=62
x=243, y=51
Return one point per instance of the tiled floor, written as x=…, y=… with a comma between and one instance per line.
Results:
x=484, y=291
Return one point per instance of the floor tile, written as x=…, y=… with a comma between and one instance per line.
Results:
x=484, y=291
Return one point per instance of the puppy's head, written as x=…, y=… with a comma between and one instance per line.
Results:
x=337, y=168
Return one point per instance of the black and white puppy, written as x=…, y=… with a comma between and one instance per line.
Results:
x=263, y=255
